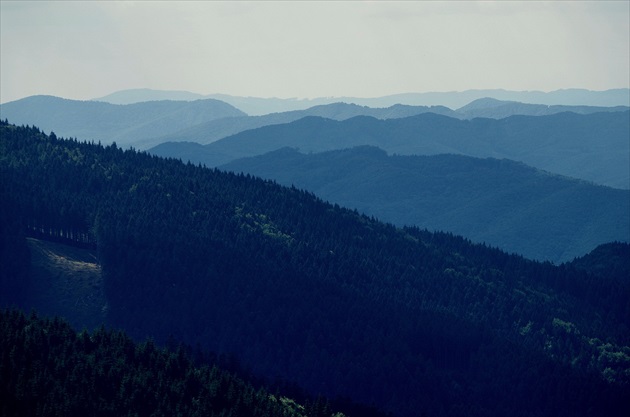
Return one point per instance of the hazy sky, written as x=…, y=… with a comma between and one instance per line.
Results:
x=83, y=50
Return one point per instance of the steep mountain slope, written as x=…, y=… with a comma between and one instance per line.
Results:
x=128, y=125
x=591, y=147
x=411, y=321
x=500, y=202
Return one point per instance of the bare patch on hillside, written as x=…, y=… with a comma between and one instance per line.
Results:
x=67, y=281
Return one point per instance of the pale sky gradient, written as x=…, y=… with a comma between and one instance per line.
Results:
x=83, y=50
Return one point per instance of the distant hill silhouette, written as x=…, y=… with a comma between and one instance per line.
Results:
x=255, y=106
x=499, y=109
x=213, y=130
x=128, y=125
x=181, y=116
x=139, y=95
x=591, y=147
x=503, y=203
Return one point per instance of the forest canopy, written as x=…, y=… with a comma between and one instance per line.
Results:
x=296, y=288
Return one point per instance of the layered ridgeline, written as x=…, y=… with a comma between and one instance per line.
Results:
x=146, y=124
x=411, y=321
x=503, y=203
x=149, y=122
x=452, y=99
x=500, y=109
x=127, y=125
x=592, y=147
x=213, y=130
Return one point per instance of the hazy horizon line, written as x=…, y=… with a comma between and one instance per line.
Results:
x=297, y=98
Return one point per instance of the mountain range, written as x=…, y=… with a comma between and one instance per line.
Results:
x=217, y=129
x=499, y=109
x=579, y=141
x=593, y=147
x=411, y=321
x=256, y=106
x=500, y=202
x=148, y=123
x=128, y=125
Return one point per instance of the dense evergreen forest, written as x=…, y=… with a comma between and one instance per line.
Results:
x=503, y=203
x=48, y=369
x=410, y=321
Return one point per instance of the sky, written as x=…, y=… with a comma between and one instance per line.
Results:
x=84, y=50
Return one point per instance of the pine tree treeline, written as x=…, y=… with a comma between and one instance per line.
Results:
x=47, y=369
x=410, y=321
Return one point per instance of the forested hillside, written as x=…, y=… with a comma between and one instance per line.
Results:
x=411, y=321
x=592, y=147
x=48, y=369
x=503, y=203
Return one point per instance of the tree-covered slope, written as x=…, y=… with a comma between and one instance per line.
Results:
x=592, y=147
x=48, y=369
x=410, y=321
x=608, y=261
x=128, y=125
x=503, y=203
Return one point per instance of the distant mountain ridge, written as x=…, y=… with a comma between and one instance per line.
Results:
x=128, y=125
x=500, y=202
x=452, y=99
x=487, y=108
x=146, y=94
x=148, y=123
x=500, y=109
x=217, y=129
x=592, y=147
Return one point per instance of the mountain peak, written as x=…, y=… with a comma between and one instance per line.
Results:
x=484, y=103
x=138, y=95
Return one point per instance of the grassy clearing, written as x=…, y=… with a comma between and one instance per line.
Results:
x=67, y=281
